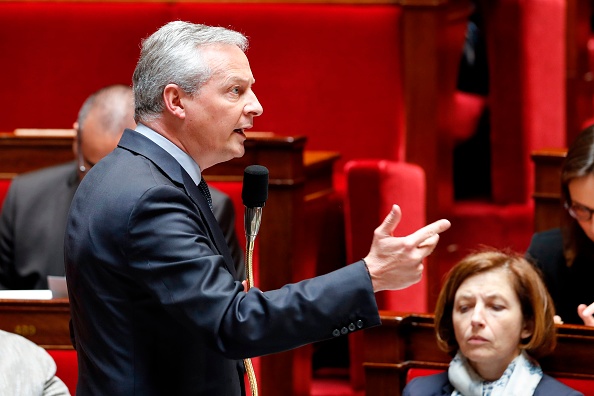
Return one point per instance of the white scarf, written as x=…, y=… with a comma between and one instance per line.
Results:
x=519, y=378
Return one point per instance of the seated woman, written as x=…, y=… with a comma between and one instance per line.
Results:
x=494, y=316
x=565, y=255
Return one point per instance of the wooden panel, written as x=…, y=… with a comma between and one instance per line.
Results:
x=20, y=154
x=45, y=322
x=547, y=188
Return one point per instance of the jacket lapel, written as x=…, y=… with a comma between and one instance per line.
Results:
x=137, y=143
x=214, y=229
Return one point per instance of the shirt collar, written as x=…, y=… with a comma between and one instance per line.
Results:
x=180, y=156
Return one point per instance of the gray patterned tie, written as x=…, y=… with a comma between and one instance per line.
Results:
x=203, y=187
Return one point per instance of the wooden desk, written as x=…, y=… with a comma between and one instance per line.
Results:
x=407, y=340
x=19, y=154
x=300, y=193
x=44, y=322
x=547, y=188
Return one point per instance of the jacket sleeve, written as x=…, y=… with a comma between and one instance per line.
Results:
x=171, y=252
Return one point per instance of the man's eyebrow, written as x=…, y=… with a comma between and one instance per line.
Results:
x=236, y=78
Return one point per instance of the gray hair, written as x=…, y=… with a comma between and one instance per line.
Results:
x=113, y=105
x=171, y=55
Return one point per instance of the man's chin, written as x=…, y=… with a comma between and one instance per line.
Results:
x=239, y=151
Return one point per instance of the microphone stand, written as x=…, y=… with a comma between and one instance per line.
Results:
x=252, y=220
x=254, y=194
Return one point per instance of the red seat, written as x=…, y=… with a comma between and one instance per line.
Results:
x=420, y=372
x=372, y=186
x=4, y=185
x=67, y=366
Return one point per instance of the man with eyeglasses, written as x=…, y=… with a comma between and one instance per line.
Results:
x=565, y=255
x=35, y=210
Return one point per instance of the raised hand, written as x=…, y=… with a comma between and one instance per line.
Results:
x=397, y=262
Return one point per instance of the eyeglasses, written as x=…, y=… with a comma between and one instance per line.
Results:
x=579, y=211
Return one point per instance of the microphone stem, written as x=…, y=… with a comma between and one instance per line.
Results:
x=249, y=268
x=251, y=374
x=252, y=219
x=249, y=368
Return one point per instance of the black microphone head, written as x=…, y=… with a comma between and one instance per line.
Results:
x=255, y=186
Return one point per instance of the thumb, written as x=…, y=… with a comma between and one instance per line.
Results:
x=391, y=221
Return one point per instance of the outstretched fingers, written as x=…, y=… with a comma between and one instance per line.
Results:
x=429, y=235
x=397, y=262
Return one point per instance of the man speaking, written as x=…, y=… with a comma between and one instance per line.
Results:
x=157, y=307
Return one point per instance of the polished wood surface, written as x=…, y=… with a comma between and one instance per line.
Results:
x=290, y=242
x=547, y=188
x=406, y=340
x=45, y=322
x=23, y=153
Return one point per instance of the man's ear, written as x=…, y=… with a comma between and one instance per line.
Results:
x=172, y=95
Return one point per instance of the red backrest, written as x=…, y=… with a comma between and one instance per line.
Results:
x=414, y=372
x=585, y=386
x=372, y=187
x=67, y=367
x=526, y=51
x=4, y=185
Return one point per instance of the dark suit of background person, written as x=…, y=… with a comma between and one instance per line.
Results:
x=439, y=385
x=568, y=286
x=34, y=212
x=565, y=255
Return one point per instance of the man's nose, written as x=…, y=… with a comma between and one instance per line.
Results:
x=253, y=106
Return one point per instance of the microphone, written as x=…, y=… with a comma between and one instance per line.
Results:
x=254, y=194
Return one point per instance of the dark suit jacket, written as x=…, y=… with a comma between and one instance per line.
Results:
x=156, y=305
x=568, y=286
x=32, y=226
x=439, y=385
x=33, y=221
